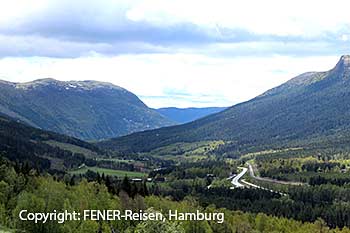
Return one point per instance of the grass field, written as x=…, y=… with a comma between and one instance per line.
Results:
x=188, y=149
x=109, y=172
x=115, y=160
x=73, y=148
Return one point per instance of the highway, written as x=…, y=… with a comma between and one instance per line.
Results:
x=251, y=173
x=237, y=184
x=235, y=180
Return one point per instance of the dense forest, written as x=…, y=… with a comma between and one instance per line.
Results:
x=23, y=188
x=182, y=176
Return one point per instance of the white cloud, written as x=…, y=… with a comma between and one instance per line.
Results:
x=64, y=28
x=173, y=52
x=312, y=18
x=345, y=37
x=275, y=17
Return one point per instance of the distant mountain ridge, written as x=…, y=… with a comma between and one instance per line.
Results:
x=311, y=106
x=185, y=115
x=88, y=110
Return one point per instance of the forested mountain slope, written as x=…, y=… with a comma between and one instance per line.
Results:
x=88, y=110
x=41, y=149
x=310, y=106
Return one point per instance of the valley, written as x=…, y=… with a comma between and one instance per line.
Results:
x=174, y=116
x=277, y=163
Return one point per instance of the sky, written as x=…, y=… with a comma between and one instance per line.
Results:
x=182, y=53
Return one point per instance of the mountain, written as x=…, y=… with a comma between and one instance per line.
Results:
x=185, y=115
x=310, y=107
x=43, y=149
x=88, y=110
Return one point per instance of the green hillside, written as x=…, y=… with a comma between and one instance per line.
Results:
x=88, y=110
x=309, y=107
x=42, y=149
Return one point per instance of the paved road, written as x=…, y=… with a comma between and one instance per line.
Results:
x=235, y=180
x=251, y=173
x=241, y=184
x=248, y=184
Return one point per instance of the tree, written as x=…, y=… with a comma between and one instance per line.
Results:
x=159, y=226
x=321, y=226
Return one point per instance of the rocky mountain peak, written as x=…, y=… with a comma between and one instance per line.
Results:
x=343, y=65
